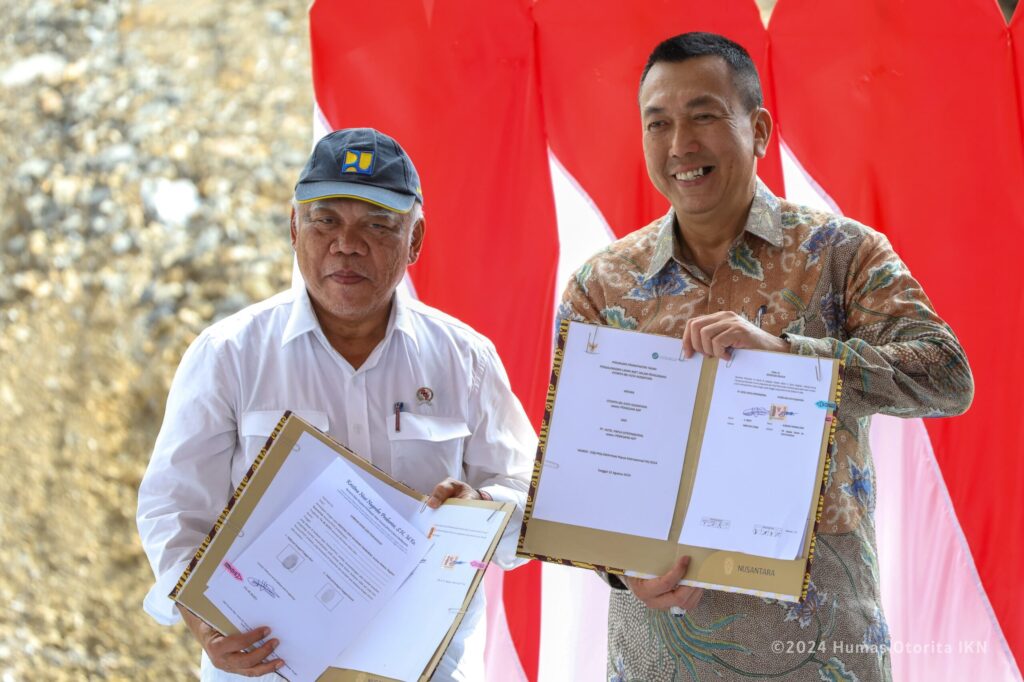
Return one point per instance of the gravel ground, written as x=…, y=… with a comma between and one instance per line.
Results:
x=148, y=151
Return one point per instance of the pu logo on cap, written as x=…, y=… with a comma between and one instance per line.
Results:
x=356, y=161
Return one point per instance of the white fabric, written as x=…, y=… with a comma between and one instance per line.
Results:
x=242, y=373
x=500, y=656
x=940, y=621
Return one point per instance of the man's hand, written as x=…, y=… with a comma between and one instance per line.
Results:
x=451, y=487
x=717, y=334
x=665, y=592
x=229, y=653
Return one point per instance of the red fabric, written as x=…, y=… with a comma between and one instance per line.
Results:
x=591, y=54
x=453, y=82
x=908, y=116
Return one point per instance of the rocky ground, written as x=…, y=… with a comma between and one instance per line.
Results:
x=148, y=151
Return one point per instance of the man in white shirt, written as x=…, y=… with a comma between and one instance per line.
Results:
x=416, y=392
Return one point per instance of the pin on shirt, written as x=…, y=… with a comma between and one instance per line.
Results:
x=424, y=395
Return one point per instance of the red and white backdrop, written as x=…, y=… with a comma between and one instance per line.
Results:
x=908, y=116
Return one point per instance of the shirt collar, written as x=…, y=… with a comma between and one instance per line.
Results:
x=303, y=320
x=401, y=315
x=764, y=221
x=765, y=217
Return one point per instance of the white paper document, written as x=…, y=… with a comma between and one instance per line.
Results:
x=427, y=604
x=760, y=455
x=618, y=431
x=321, y=570
x=294, y=476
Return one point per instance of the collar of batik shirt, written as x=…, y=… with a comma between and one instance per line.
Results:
x=764, y=221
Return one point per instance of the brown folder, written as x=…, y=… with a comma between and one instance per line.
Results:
x=189, y=592
x=618, y=553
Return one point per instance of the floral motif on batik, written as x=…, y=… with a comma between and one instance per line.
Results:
x=860, y=487
x=742, y=258
x=615, y=316
x=669, y=281
x=877, y=632
x=829, y=235
x=835, y=670
x=802, y=612
x=833, y=313
x=582, y=275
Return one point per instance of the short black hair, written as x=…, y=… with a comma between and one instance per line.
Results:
x=689, y=45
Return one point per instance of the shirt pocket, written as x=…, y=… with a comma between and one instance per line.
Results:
x=427, y=450
x=256, y=427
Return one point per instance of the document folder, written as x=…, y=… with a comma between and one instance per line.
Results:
x=631, y=554
x=189, y=591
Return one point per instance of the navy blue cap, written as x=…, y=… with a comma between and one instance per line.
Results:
x=360, y=163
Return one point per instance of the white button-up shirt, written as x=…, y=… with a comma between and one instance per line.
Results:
x=460, y=419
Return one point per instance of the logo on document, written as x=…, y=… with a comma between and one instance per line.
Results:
x=778, y=413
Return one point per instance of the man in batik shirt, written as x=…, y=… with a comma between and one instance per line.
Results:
x=732, y=266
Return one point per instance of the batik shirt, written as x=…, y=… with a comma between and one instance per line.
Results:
x=833, y=288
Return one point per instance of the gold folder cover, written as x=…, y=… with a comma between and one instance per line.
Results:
x=189, y=592
x=710, y=568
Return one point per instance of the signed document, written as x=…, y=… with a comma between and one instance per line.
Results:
x=331, y=553
x=761, y=446
x=645, y=457
x=618, y=432
x=321, y=570
x=436, y=591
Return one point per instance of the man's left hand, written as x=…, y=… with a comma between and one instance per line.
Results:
x=717, y=334
x=664, y=592
x=451, y=487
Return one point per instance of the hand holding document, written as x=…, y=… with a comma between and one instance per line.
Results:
x=341, y=562
x=321, y=571
x=646, y=457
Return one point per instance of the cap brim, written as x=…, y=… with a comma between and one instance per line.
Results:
x=311, y=191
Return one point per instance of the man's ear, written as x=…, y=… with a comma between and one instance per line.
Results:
x=762, y=131
x=416, y=240
x=295, y=231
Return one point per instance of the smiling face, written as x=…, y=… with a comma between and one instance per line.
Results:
x=352, y=256
x=700, y=141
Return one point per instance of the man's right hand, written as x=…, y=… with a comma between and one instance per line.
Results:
x=228, y=653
